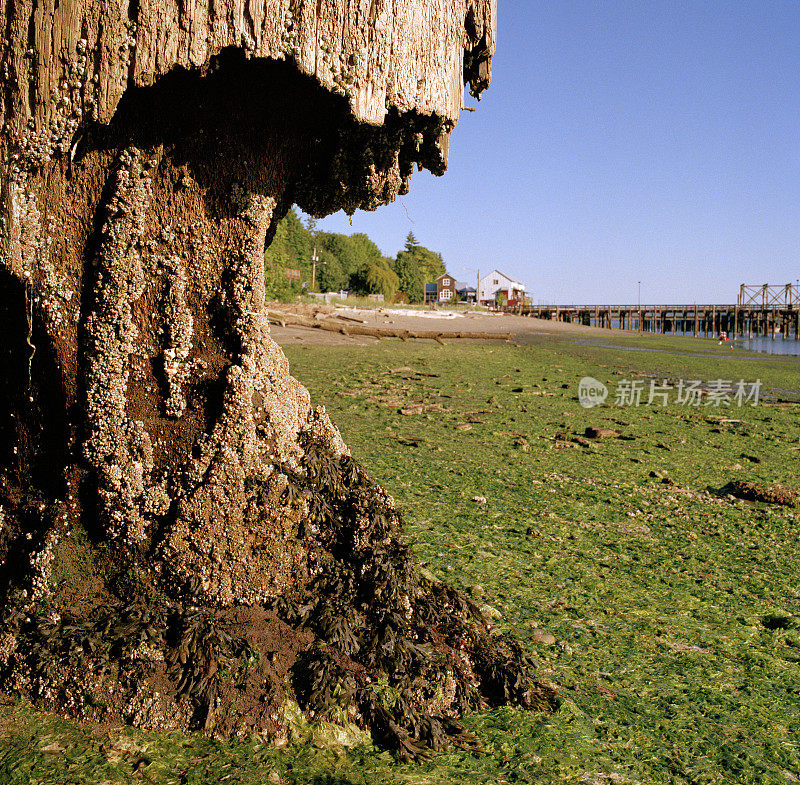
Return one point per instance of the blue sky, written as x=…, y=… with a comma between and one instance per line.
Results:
x=621, y=142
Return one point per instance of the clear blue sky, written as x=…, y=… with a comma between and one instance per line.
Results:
x=622, y=141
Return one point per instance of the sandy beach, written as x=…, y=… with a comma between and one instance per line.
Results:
x=407, y=319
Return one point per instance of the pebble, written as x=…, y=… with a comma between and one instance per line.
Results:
x=540, y=636
x=492, y=613
x=479, y=499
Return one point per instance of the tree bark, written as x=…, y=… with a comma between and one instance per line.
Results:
x=185, y=540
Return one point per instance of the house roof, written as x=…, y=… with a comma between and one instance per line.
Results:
x=464, y=287
x=507, y=277
x=444, y=275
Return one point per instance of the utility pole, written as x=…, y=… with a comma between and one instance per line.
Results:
x=314, y=260
x=639, y=306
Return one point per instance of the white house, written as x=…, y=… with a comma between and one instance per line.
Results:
x=496, y=282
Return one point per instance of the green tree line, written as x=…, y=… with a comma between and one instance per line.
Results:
x=351, y=262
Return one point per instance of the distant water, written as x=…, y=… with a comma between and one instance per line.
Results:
x=764, y=344
x=785, y=348
x=769, y=346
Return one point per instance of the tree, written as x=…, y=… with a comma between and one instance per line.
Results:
x=276, y=285
x=361, y=250
x=375, y=276
x=340, y=256
x=416, y=266
x=411, y=277
x=186, y=541
x=292, y=245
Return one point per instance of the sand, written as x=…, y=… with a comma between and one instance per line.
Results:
x=407, y=319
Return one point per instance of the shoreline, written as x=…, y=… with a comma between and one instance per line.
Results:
x=525, y=330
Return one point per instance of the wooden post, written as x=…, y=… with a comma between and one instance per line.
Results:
x=696, y=325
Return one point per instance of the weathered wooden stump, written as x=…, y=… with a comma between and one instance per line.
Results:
x=185, y=539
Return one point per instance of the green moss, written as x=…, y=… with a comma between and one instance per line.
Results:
x=674, y=609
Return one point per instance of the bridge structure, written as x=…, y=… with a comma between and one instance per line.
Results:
x=695, y=319
x=772, y=311
x=768, y=296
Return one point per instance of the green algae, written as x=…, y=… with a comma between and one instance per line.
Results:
x=661, y=595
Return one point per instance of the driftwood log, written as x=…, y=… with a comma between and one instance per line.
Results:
x=184, y=540
x=329, y=325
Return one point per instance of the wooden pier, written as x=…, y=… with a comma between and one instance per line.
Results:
x=738, y=321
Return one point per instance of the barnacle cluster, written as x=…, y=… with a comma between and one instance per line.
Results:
x=111, y=335
x=177, y=335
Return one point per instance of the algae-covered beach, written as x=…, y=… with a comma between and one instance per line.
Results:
x=665, y=610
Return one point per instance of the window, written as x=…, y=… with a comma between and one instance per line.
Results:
x=495, y=282
x=446, y=282
x=446, y=294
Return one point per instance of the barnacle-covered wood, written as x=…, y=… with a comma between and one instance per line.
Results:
x=185, y=541
x=381, y=54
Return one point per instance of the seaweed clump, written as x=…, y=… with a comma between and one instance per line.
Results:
x=406, y=654
x=770, y=494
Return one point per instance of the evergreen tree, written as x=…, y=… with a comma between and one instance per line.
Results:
x=292, y=245
x=416, y=266
x=411, y=278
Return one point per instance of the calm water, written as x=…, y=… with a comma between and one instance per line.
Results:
x=770, y=346
x=787, y=348
x=763, y=344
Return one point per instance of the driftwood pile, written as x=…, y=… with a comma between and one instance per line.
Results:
x=353, y=327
